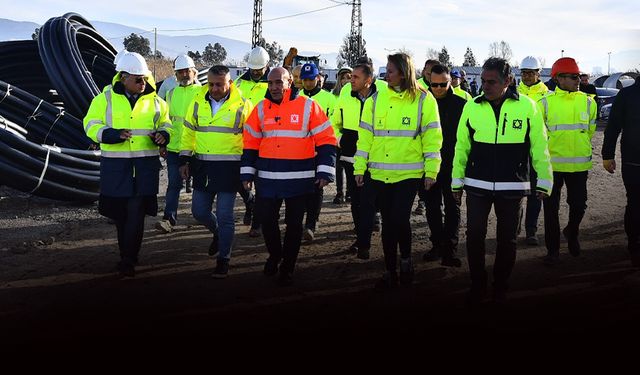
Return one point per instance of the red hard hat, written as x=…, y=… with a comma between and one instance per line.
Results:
x=564, y=65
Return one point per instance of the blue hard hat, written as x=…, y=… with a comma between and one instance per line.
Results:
x=309, y=71
x=455, y=73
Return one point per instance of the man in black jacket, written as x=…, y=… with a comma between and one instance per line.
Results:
x=444, y=238
x=625, y=117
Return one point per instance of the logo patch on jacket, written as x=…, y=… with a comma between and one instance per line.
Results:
x=406, y=120
x=295, y=118
x=517, y=124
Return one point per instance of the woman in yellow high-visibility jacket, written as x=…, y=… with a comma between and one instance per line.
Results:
x=399, y=142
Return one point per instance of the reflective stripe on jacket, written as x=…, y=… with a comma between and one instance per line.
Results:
x=217, y=137
x=493, y=156
x=178, y=100
x=112, y=110
x=571, y=122
x=399, y=137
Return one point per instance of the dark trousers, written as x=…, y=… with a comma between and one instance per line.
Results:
x=367, y=204
x=395, y=200
x=355, y=193
x=632, y=216
x=251, y=202
x=314, y=205
x=422, y=192
x=508, y=212
x=442, y=233
x=339, y=171
x=534, y=205
x=294, y=212
x=130, y=230
x=576, y=198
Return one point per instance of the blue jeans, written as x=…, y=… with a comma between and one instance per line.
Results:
x=221, y=222
x=173, y=188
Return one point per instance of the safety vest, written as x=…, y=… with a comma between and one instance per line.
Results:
x=493, y=156
x=571, y=122
x=461, y=93
x=286, y=137
x=535, y=92
x=422, y=83
x=249, y=89
x=178, y=100
x=399, y=137
x=112, y=110
x=325, y=99
x=215, y=137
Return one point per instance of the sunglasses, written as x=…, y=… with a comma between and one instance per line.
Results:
x=139, y=80
x=575, y=77
x=443, y=84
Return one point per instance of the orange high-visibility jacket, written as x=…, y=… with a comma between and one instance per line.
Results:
x=288, y=146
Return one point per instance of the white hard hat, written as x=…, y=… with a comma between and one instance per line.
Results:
x=132, y=63
x=530, y=62
x=258, y=58
x=118, y=56
x=183, y=62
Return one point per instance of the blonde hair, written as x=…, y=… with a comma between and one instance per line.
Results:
x=405, y=66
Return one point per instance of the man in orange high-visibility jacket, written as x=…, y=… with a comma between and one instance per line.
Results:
x=289, y=145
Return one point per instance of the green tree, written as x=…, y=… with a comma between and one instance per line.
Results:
x=196, y=56
x=36, y=34
x=345, y=55
x=432, y=54
x=138, y=43
x=213, y=54
x=469, y=58
x=444, y=57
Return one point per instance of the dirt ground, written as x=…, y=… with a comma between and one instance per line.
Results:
x=58, y=282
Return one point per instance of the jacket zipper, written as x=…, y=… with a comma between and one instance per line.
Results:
x=504, y=124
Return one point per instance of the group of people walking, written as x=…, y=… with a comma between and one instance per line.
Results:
x=278, y=133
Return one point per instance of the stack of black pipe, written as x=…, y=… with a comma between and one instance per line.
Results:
x=46, y=88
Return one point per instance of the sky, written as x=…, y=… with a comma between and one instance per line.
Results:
x=585, y=29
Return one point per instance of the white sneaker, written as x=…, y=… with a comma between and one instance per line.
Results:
x=164, y=226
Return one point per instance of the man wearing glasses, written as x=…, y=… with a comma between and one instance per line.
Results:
x=531, y=86
x=570, y=116
x=444, y=236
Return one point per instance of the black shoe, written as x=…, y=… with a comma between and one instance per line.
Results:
x=354, y=248
x=222, y=269
x=531, y=239
x=214, y=247
x=406, y=272
x=347, y=198
x=126, y=269
x=363, y=253
x=389, y=280
x=270, y=268
x=339, y=199
x=285, y=278
x=432, y=255
x=451, y=261
x=572, y=239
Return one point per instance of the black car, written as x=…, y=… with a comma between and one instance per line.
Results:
x=605, y=99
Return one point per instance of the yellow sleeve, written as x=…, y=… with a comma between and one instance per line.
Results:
x=365, y=138
x=94, y=122
x=188, y=140
x=431, y=136
x=462, y=150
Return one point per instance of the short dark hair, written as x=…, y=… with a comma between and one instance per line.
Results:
x=499, y=65
x=431, y=62
x=365, y=60
x=366, y=69
x=439, y=69
x=219, y=70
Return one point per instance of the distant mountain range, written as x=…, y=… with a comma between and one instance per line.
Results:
x=170, y=46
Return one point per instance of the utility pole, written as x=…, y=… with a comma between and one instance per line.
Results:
x=609, y=65
x=155, y=51
x=256, y=34
x=562, y=53
x=355, y=36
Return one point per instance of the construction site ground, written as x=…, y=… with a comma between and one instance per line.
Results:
x=59, y=285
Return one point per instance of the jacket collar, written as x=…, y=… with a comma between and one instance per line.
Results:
x=312, y=92
x=372, y=90
x=289, y=95
x=511, y=93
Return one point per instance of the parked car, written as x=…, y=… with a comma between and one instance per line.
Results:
x=605, y=99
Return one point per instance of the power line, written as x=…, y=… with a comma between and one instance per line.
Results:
x=267, y=20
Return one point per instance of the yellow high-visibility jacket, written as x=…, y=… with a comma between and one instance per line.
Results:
x=399, y=137
x=571, y=122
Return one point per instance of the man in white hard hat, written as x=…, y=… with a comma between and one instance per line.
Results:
x=130, y=121
x=253, y=83
x=178, y=100
x=534, y=88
